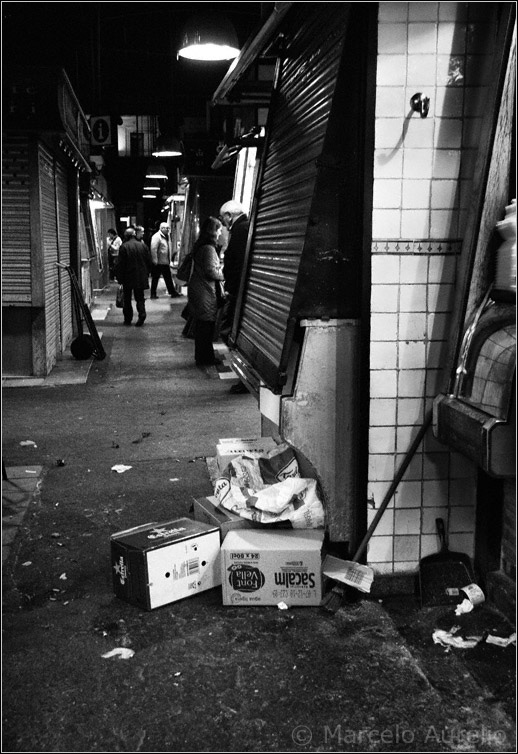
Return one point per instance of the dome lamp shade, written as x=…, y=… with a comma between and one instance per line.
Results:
x=167, y=146
x=209, y=37
x=156, y=171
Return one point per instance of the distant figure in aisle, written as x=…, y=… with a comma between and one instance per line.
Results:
x=204, y=290
x=235, y=219
x=139, y=235
x=114, y=242
x=132, y=272
x=161, y=261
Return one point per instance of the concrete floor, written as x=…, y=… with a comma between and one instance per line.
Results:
x=203, y=677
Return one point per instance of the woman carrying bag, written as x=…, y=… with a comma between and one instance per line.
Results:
x=203, y=290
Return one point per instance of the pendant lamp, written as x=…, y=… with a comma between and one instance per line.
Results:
x=156, y=171
x=209, y=37
x=167, y=146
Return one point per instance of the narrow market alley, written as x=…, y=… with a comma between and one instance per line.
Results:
x=202, y=676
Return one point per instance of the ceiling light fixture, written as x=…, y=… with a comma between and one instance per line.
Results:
x=209, y=37
x=149, y=196
x=167, y=146
x=151, y=188
x=155, y=170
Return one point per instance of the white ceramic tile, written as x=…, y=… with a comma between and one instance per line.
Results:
x=449, y=102
x=450, y=70
x=462, y=467
x=446, y=163
x=415, y=223
x=384, y=298
x=418, y=163
x=378, y=490
x=391, y=70
x=451, y=11
x=414, y=269
x=406, y=566
x=413, y=472
x=436, y=465
x=382, y=412
x=388, y=164
x=463, y=491
x=429, y=545
x=423, y=11
x=411, y=383
x=428, y=525
x=407, y=520
x=405, y=436
x=421, y=74
x=382, y=569
x=383, y=383
x=392, y=12
x=442, y=269
x=385, y=269
x=406, y=548
x=387, y=193
x=392, y=38
x=451, y=38
x=388, y=132
x=445, y=194
x=379, y=549
x=448, y=134
x=422, y=38
x=434, y=382
x=436, y=354
x=408, y=494
x=390, y=101
x=462, y=518
x=420, y=133
x=469, y=161
x=383, y=355
x=440, y=297
x=385, y=525
x=384, y=327
x=410, y=411
x=416, y=194
x=412, y=298
x=382, y=440
x=444, y=223
x=412, y=326
x=435, y=493
x=386, y=223
x=438, y=326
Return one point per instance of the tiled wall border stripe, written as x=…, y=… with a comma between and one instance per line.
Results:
x=411, y=246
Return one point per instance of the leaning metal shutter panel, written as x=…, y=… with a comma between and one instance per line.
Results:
x=49, y=236
x=65, y=287
x=296, y=132
x=16, y=221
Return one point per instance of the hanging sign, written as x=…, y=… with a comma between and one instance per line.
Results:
x=100, y=127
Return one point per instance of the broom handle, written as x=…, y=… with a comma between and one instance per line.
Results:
x=399, y=474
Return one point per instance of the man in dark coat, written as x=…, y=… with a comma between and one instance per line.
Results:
x=132, y=272
x=235, y=219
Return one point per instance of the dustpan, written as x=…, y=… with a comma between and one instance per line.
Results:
x=444, y=574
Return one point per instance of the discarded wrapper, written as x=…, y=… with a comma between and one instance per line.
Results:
x=449, y=639
x=348, y=572
x=122, y=653
x=501, y=641
x=120, y=468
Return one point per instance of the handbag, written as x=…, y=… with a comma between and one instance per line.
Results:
x=184, y=271
x=119, y=300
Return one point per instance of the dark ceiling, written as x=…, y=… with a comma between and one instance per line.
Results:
x=121, y=57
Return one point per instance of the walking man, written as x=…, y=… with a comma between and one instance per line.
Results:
x=161, y=261
x=132, y=272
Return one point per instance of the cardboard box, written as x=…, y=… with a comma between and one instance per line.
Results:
x=158, y=563
x=205, y=510
x=228, y=448
x=268, y=567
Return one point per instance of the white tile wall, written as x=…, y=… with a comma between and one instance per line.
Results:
x=423, y=171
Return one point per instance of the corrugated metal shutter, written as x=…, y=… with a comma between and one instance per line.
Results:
x=298, y=120
x=49, y=236
x=64, y=254
x=16, y=225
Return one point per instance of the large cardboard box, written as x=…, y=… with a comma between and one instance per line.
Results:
x=206, y=510
x=269, y=567
x=230, y=447
x=158, y=563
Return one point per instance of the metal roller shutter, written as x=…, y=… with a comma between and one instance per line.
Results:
x=279, y=256
x=49, y=235
x=62, y=213
x=16, y=226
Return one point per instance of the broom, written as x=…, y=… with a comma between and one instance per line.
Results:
x=354, y=574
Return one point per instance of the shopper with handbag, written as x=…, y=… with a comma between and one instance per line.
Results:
x=132, y=273
x=204, y=290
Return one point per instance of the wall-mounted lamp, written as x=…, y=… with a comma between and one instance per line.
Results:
x=156, y=171
x=167, y=146
x=420, y=104
x=209, y=37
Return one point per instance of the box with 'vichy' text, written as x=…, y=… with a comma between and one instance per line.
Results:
x=158, y=563
x=268, y=567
